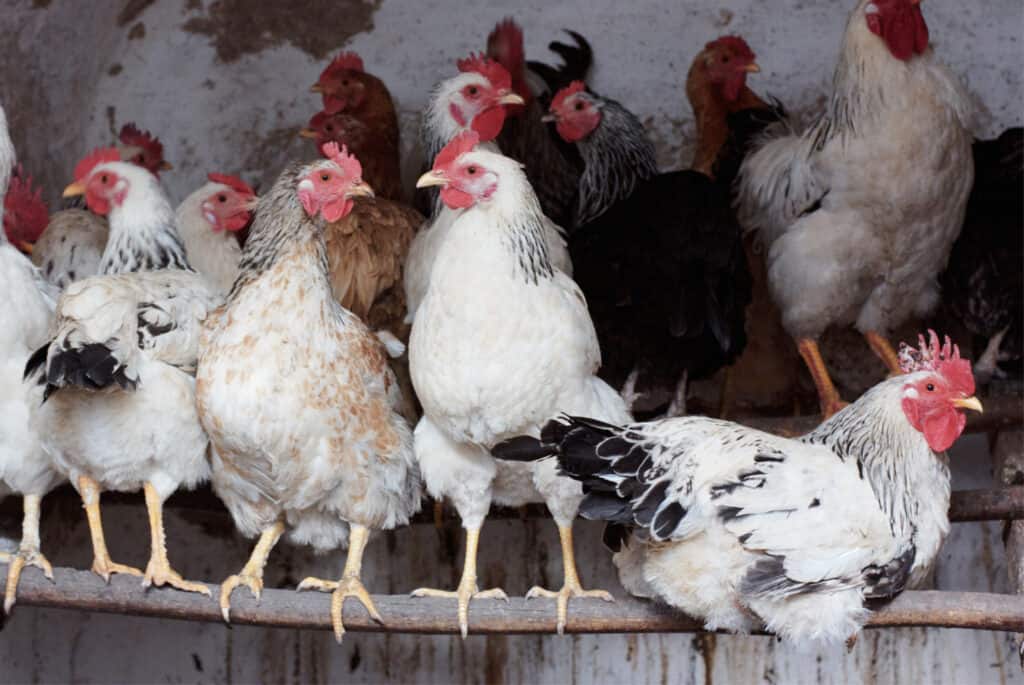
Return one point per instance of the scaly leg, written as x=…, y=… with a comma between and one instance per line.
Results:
x=467, y=589
x=827, y=394
x=628, y=392
x=101, y=563
x=28, y=552
x=252, y=573
x=571, y=586
x=158, y=570
x=349, y=585
x=677, y=407
x=726, y=398
x=883, y=350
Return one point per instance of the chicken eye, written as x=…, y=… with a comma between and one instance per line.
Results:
x=725, y=60
x=325, y=177
x=471, y=170
x=473, y=90
x=345, y=83
x=579, y=106
x=930, y=387
x=328, y=128
x=104, y=179
x=222, y=198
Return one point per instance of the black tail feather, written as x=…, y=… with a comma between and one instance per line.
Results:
x=522, y=448
x=92, y=367
x=576, y=62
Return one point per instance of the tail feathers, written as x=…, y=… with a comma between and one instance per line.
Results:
x=92, y=367
x=522, y=448
x=576, y=63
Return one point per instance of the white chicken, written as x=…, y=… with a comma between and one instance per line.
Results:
x=474, y=100
x=502, y=342
x=859, y=213
x=120, y=410
x=745, y=529
x=296, y=393
x=25, y=469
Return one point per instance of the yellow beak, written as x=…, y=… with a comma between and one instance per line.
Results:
x=76, y=188
x=316, y=88
x=25, y=247
x=972, y=403
x=431, y=178
x=307, y=133
x=511, y=99
x=166, y=166
x=752, y=68
x=361, y=189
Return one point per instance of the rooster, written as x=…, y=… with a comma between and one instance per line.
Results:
x=24, y=213
x=475, y=100
x=660, y=256
x=742, y=528
x=117, y=375
x=296, y=394
x=25, y=469
x=209, y=221
x=501, y=343
x=381, y=168
x=859, y=212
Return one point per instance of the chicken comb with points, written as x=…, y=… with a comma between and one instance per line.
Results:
x=943, y=358
x=488, y=68
x=507, y=39
x=25, y=206
x=345, y=61
x=233, y=182
x=562, y=95
x=340, y=156
x=98, y=156
x=738, y=46
x=131, y=135
x=456, y=147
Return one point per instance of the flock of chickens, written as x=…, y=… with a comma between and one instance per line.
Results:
x=259, y=342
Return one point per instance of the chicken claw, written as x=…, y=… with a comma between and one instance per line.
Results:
x=562, y=597
x=252, y=573
x=467, y=591
x=26, y=556
x=160, y=573
x=253, y=582
x=347, y=587
x=104, y=568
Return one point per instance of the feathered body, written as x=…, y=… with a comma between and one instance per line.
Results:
x=71, y=247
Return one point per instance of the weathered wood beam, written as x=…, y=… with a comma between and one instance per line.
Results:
x=1008, y=452
x=84, y=591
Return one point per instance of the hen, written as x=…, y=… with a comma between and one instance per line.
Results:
x=502, y=342
x=381, y=169
x=843, y=245
x=742, y=528
x=296, y=394
x=119, y=410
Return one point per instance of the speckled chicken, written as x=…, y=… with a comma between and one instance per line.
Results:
x=296, y=394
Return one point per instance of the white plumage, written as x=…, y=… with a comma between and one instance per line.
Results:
x=214, y=254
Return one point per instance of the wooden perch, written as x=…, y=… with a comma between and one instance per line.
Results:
x=83, y=590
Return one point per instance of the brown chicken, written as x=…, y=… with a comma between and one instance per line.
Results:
x=381, y=168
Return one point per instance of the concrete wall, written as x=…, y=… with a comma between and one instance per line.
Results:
x=225, y=85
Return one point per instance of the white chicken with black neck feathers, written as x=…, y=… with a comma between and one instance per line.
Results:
x=503, y=341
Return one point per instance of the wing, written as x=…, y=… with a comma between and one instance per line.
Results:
x=71, y=247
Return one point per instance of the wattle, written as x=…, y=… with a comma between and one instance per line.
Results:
x=904, y=31
x=488, y=123
x=454, y=198
x=941, y=430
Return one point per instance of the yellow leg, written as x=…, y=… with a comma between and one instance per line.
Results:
x=252, y=573
x=159, y=571
x=101, y=563
x=467, y=589
x=827, y=393
x=28, y=552
x=884, y=351
x=349, y=585
x=571, y=585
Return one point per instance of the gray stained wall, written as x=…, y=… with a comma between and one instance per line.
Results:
x=224, y=83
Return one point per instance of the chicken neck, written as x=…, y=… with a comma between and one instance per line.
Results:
x=711, y=110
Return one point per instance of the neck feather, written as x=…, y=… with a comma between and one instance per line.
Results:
x=143, y=235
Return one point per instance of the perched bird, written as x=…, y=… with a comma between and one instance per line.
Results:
x=369, y=126
x=501, y=343
x=475, y=100
x=117, y=374
x=660, y=256
x=25, y=469
x=209, y=221
x=844, y=248
x=742, y=528
x=24, y=214
x=983, y=284
x=297, y=396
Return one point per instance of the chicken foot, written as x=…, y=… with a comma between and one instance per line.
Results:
x=571, y=586
x=828, y=396
x=468, y=589
x=884, y=351
x=102, y=565
x=28, y=552
x=350, y=585
x=252, y=573
x=158, y=570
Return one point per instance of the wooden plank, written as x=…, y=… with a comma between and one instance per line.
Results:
x=83, y=590
x=1008, y=453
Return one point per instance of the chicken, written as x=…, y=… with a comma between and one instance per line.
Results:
x=143, y=149
x=742, y=528
x=208, y=221
x=474, y=100
x=24, y=214
x=381, y=169
x=858, y=213
x=119, y=410
x=370, y=124
x=501, y=343
x=983, y=284
x=296, y=394
x=25, y=469
x=660, y=256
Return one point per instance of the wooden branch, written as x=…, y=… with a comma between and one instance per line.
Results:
x=83, y=590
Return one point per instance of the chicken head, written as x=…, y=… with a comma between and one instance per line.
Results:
x=483, y=92
x=463, y=179
x=102, y=186
x=229, y=208
x=574, y=112
x=143, y=149
x=330, y=186
x=900, y=24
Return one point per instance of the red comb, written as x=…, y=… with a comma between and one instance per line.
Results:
x=565, y=93
x=457, y=146
x=340, y=156
x=26, y=215
x=131, y=135
x=505, y=43
x=233, y=182
x=488, y=68
x=738, y=46
x=350, y=61
x=98, y=156
x=942, y=358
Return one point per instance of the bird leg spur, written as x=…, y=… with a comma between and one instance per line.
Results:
x=467, y=589
x=828, y=396
x=252, y=573
x=571, y=586
x=101, y=563
x=158, y=570
x=28, y=552
x=350, y=585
